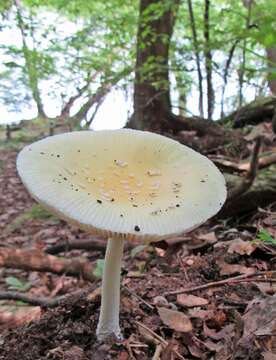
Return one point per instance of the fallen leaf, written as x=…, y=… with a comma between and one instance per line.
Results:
x=75, y=352
x=266, y=288
x=210, y=237
x=175, y=320
x=226, y=332
x=195, y=347
x=241, y=247
x=123, y=356
x=230, y=269
x=259, y=321
x=269, y=355
x=212, y=346
x=95, y=294
x=201, y=314
x=190, y=300
x=13, y=316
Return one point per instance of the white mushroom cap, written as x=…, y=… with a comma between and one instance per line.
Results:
x=126, y=183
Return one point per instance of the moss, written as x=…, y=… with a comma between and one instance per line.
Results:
x=36, y=212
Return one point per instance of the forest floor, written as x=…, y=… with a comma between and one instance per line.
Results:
x=224, y=272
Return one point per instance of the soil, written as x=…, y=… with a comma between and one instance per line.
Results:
x=217, y=322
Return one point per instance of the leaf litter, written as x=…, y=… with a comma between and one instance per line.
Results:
x=231, y=316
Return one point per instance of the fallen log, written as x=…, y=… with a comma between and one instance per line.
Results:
x=37, y=260
x=32, y=300
x=64, y=246
x=210, y=135
x=260, y=194
x=93, y=244
x=259, y=110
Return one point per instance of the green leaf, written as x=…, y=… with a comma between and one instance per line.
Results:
x=264, y=236
x=98, y=272
x=14, y=283
x=267, y=69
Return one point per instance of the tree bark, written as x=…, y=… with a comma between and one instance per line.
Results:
x=257, y=111
x=248, y=4
x=260, y=194
x=197, y=56
x=36, y=260
x=225, y=75
x=208, y=62
x=31, y=64
x=152, y=105
x=93, y=99
x=271, y=61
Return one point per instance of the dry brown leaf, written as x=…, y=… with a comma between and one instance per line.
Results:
x=269, y=355
x=212, y=346
x=175, y=320
x=95, y=294
x=190, y=300
x=260, y=317
x=266, y=288
x=241, y=247
x=195, y=347
x=201, y=314
x=226, y=332
x=123, y=356
x=210, y=237
x=75, y=352
x=13, y=316
x=230, y=269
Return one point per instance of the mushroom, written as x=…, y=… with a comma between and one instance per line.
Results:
x=126, y=185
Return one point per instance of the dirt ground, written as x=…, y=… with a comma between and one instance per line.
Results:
x=226, y=282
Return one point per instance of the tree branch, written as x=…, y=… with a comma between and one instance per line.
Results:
x=65, y=112
x=36, y=260
x=32, y=300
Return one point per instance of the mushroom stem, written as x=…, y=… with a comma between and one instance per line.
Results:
x=108, y=325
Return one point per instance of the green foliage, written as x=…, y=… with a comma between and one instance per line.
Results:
x=265, y=237
x=36, y=212
x=16, y=284
x=98, y=272
x=96, y=44
x=68, y=44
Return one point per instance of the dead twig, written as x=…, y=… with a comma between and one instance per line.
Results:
x=37, y=260
x=234, y=279
x=157, y=353
x=247, y=181
x=138, y=297
x=158, y=338
x=32, y=300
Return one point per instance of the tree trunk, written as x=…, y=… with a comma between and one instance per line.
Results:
x=271, y=61
x=30, y=63
x=152, y=105
x=248, y=4
x=225, y=76
x=257, y=111
x=196, y=48
x=208, y=62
